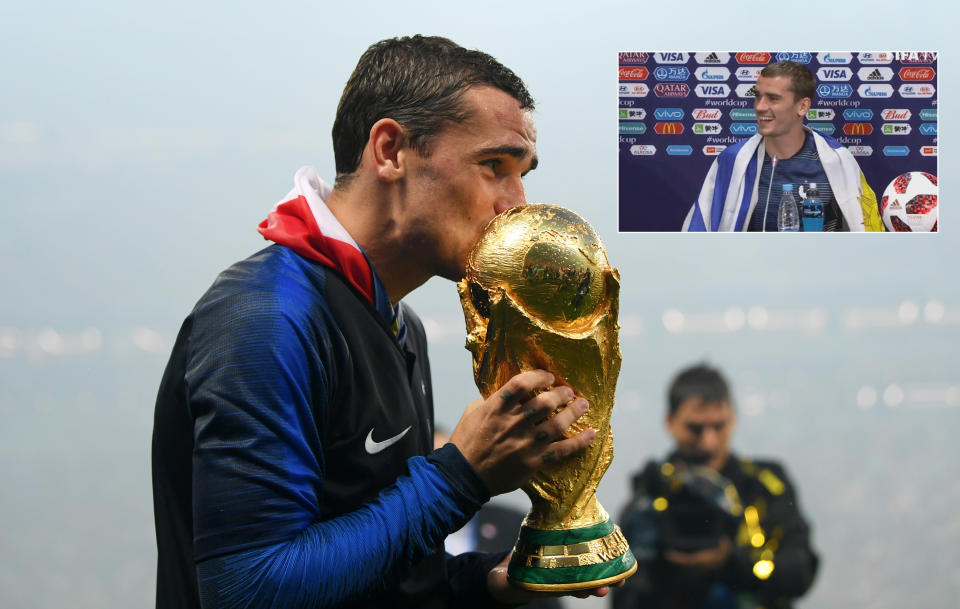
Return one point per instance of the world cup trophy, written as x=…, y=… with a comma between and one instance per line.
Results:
x=539, y=292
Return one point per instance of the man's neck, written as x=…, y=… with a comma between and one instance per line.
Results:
x=786, y=145
x=372, y=221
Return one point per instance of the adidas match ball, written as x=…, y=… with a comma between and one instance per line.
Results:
x=909, y=203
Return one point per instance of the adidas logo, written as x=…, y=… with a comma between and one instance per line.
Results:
x=896, y=204
x=875, y=75
x=712, y=58
x=752, y=92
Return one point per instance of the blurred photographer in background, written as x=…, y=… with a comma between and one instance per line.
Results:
x=709, y=529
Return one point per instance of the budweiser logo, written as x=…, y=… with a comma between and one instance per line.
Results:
x=706, y=114
x=917, y=73
x=896, y=114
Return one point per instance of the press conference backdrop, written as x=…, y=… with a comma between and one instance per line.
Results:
x=678, y=111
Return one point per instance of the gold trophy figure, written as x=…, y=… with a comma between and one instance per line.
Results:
x=539, y=292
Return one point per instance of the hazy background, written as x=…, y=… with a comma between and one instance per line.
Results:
x=141, y=143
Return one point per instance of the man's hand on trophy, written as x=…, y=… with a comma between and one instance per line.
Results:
x=511, y=435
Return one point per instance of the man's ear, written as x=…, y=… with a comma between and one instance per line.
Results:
x=387, y=139
x=804, y=106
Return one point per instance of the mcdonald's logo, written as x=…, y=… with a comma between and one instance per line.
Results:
x=858, y=128
x=668, y=128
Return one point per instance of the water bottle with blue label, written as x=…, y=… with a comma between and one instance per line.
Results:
x=812, y=210
x=788, y=218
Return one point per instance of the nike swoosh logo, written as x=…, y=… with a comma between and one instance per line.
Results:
x=375, y=447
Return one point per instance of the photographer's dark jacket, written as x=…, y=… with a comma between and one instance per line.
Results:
x=768, y=531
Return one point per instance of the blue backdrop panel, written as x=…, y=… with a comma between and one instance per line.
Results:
x=679, y=110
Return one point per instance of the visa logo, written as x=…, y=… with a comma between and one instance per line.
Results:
x=713, y=90
x=858, y=114
x=833, y=74
x=668, y=114
x=671, y=57
x=679, y=150
x=743, y=128
x=895, y=151
x=928, y=128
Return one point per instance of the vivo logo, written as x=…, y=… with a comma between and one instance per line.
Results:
x=834, y=74
x=671, y=57
x=858, y=114
x=668, y=114
x=743, y=128
x=671, y=73
x=714, y=74
x=895, y=151
x=875, y=91
x=928, y=128
x=713, y=90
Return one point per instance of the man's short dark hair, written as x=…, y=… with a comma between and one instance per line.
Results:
x=700, y=381
x=418, y=81
x=801, y=78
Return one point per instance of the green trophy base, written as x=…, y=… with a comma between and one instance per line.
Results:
x=570, y=559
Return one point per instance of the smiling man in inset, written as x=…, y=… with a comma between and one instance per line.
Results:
x=742, y=190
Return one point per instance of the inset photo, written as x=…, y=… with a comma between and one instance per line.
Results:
x=767, y=141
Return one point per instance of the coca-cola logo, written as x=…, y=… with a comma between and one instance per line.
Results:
x=915, y=74
x=633, y=73
x=753, y=57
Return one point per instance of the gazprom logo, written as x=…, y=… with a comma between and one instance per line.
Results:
x=671, y=57
x=834, y=91
x=633, y=128
x=857, y=114
x=713, y=90
x=895, y=151
x=668, y=114
x=671, y=73
x=743, y=128
x=871, y=90
x=834, y=58
x=928, y=128
x=928, y=114
x=679, y=150
x=797, y=57
x=713, y=74
x=825, y=128
x=834, y=74
x=743, y=114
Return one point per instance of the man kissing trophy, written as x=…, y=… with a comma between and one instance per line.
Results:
x=539, y=292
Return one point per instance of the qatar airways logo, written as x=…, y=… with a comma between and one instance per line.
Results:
x=834, y=58
x=713, y=74
x=633, y=59
x=672, y=89
x=917, y=74
x=706, y=114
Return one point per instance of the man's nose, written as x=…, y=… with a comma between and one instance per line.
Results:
x=709, y=440
x=513, y=195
